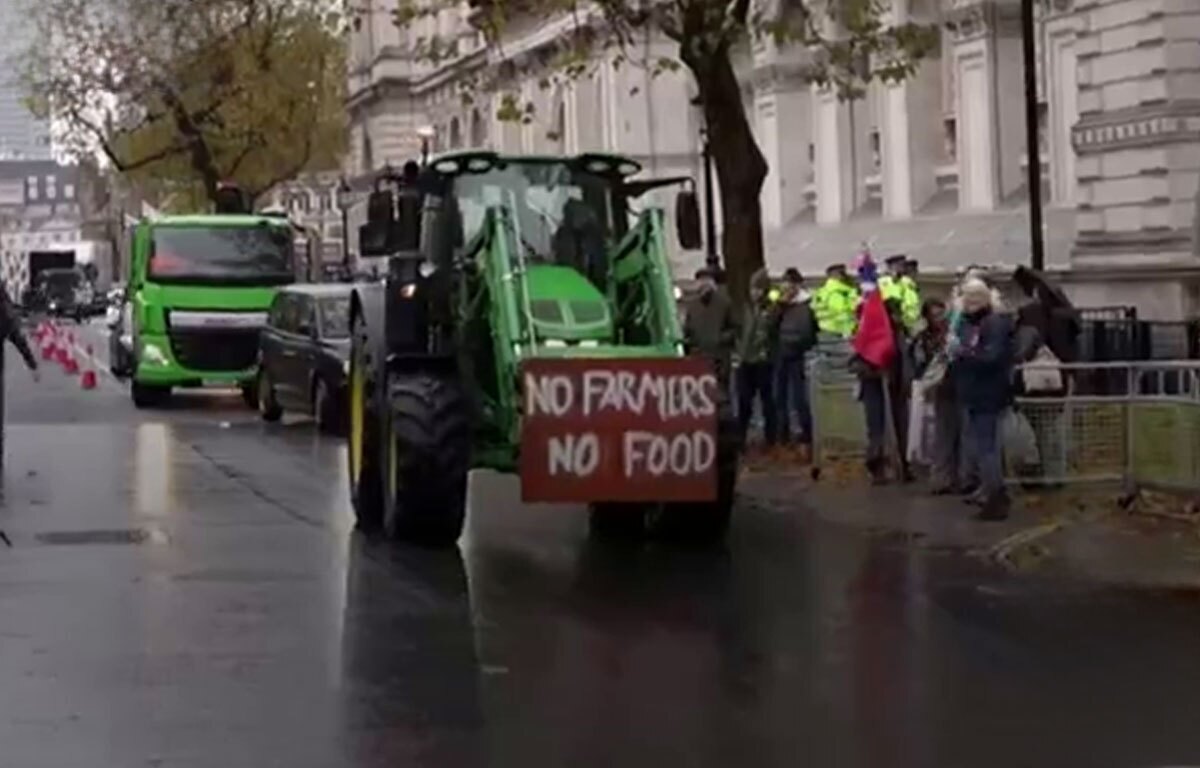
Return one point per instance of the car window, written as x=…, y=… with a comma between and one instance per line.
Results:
x=278, y=308
x=305, y=315
x=335, y=317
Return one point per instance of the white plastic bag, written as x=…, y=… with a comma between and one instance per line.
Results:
x=1019, y=444
x=920, y=425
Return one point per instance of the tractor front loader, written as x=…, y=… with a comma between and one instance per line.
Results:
x=526, y=323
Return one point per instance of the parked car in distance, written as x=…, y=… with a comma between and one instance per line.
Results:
x=304, y=354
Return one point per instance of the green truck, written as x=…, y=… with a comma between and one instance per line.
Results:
x=199, y=290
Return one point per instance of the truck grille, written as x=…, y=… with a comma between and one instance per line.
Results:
x=215, y=350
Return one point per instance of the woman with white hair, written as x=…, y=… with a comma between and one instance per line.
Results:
x=981, y=365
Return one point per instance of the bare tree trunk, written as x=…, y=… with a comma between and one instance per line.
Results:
x=741, y=168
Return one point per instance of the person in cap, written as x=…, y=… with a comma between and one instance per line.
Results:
x=981, y=366
x=898, y=286
x=835, y=304
x=756, y=353
x=710, y=326
x=797, y=336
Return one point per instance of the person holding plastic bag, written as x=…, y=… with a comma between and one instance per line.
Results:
x=981, y=365
x=931, y=361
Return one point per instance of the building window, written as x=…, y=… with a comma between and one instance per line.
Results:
x=876, y=150
x=51, y=187
x=31, y=188
x=950, y=138
x=69, y=191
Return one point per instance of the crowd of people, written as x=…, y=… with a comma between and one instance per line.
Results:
x=952, y=359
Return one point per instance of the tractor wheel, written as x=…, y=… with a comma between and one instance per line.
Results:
x=614, y=522
x=428, y=449
x=363, y=447
x=705, y=522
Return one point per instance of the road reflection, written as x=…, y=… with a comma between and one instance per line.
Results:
x=410, y=678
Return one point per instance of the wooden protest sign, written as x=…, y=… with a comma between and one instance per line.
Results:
x=618, y=430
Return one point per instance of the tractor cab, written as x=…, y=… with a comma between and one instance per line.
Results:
x=567, y=244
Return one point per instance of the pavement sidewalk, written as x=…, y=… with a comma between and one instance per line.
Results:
x=1083, y=533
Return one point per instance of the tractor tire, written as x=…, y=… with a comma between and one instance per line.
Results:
x=264, y=395
x=428, y=449
x=363, y=451
x=148, y=395
x=617, y=522
x=705, y=522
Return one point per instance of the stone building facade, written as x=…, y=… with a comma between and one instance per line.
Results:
x=933, y=167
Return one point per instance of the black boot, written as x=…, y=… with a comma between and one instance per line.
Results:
x=995, y=508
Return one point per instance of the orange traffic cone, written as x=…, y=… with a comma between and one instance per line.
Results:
x=88, y=379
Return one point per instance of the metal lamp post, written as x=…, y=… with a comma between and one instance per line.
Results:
x=711, y=258
x=343, y=201
x=1037, y=253
x=426, y=133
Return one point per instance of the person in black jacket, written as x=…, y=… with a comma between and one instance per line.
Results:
x=10, y=328
x=797, y=335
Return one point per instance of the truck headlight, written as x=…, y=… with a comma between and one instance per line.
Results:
x=154, y=355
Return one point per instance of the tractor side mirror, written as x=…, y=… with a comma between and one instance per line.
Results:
x=687, y=220
x=381, y=216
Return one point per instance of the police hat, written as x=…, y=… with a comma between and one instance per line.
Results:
x=792, y=275
x=912, y=264
x=834, y=269
x=896, y=261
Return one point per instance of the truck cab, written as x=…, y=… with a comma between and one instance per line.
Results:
x=199, y=290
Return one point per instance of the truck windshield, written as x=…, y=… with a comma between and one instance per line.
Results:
x=259, y=255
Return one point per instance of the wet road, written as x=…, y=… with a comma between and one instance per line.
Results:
x=186, y=589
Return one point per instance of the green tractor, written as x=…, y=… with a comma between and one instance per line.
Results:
x=527, y=323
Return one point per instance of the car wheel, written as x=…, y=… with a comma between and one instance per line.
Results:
x=268, y=406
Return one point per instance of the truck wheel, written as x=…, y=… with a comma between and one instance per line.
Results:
x=615, y=521
x=428, y=449
x=363, y=449
x=326, y=410
x=250, y=393
x=264, y=397
x=148, y=395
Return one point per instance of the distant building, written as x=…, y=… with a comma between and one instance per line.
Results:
x=39, y=211
x=312, y=201
x=933, y=167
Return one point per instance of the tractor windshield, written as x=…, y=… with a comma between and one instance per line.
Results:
x=560, y=214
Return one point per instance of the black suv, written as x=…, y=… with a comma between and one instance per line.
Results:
x=304, y=353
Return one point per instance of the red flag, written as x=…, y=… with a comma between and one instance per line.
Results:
x=875, y=341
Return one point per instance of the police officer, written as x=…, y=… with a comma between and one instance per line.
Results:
x=836, y=303
x=899, y=287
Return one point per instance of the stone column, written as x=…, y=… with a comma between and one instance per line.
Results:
x=1060, y=68
x=781, y=106
x=910, y=124
x=1138, y=136
x=988, y=75
x=834, y=167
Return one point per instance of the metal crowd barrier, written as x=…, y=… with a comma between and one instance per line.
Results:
x=839, y=424
x=1134, y=423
